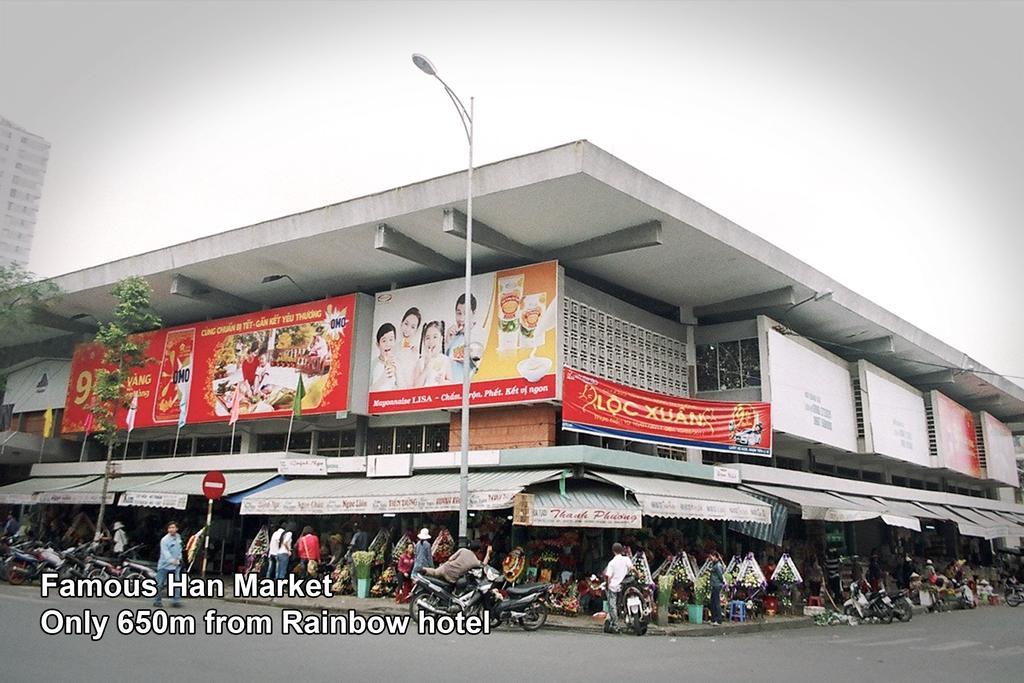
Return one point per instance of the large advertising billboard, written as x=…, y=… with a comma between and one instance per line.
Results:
x=895, y=419
x=811, y=392
x=258, y=357
x=416, y=361
x=955, y=436
x=593, y=405
x=1000, y=458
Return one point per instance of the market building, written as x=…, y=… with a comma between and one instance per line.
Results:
x=606, y=303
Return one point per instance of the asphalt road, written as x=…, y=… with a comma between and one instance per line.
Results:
x=982, y=645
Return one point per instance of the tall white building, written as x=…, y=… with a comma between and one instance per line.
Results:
x=23, y=158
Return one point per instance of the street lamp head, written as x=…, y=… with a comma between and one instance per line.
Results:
x=423, y=64
x=271, y=278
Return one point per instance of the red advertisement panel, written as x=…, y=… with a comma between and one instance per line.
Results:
x=955, y=429
x=598, y=406
x=263, y=354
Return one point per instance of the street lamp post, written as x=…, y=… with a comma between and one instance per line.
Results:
x=466, y=117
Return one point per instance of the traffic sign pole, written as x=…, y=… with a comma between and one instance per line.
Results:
x=206, y=536
x=214, y=486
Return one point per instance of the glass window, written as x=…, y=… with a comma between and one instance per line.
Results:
x=380, y=441
x=707, y=367
x=750, y=362
x=161, y=448
x=328, y=441
x=729, y=376
x=269, y=442
x=435, y=438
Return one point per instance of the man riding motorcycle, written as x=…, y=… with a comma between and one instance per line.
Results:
x=461, y=561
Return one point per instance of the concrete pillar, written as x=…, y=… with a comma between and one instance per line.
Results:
x=694, y=455
x=247, y=442
x=362, y=426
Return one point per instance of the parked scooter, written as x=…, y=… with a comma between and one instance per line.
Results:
x=902, y=607
x=479, y=592
x=863, y=605
x=634, y=605
x=1014, y=592
x=25, y=567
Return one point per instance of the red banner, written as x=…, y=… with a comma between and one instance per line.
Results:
x=200, y=365
x=597, y=406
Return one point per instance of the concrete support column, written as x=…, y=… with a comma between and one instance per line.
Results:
x=362, y=426
x=694, y=455
x=247, y=443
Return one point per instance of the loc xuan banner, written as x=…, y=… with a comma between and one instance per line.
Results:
x=263, y=354
x=417, y=358
x=593, y=405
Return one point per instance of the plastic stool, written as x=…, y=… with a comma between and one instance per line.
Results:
x=815, y=601
x=737, y=610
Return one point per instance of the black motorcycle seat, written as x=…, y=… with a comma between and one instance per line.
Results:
x=527, y=588
x=436, y=580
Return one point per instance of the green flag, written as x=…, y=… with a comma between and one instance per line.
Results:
x=300, y=391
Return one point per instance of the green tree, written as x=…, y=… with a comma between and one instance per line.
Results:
x=20, y=292
x=122, y=351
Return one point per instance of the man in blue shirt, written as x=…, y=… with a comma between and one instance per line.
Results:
x=169, y=563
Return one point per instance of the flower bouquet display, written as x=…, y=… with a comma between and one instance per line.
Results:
x=342, y=579
x=514, y=565
x=683, y=569
x=362, y=562
x=701, y=596
x=194, y=547
x=401, y=544
x=379, y=547
x=786, y=573
x=256, y=557
x=387, y=583
x=642, y=568
x=730, y=570
x=443, y=547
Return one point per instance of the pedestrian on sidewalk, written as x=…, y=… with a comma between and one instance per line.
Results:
x=833, y=567
x=308, y=548
x=717, y=581
x=424, y=556
x=280, y=551
x=405, y=564
x=617, y=570
x=169, y=563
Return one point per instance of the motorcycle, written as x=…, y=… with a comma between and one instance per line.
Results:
x=1014, y=592
x=634, y=606
x=863, y=605
x=479, y=593
x=902, y=607
x=25, y=567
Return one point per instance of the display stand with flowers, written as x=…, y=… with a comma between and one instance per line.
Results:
x=642, y=568
x=701, y=596
x=786, y=576
x=514, y=565
x=443, y=547
x=749, y=585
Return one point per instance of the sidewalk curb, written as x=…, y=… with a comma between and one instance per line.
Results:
x=585, y=627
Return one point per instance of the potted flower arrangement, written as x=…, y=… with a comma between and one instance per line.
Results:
x=362, y=561
x=701, y=595
x=786, y=575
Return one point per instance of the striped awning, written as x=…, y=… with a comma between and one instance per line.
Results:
x=674, y=498
x=26, y=492
x=819, y=504
x=172, y=491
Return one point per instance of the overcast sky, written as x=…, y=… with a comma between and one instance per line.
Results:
x=878, y=142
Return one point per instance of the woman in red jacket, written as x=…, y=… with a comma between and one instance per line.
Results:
x=308, y=548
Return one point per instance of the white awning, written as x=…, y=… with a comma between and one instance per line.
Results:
x=1007, y=518
x=964, y=525
x=819, y=504
x=418, y=493
x=888, y=515
x=994, y=527
x=689, y=500
x=25, y=492
x=91, y=492
x=585, y=504
x=172, y=491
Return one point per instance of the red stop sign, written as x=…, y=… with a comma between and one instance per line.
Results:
x=213, y=485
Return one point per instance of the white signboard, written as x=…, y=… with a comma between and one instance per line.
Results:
x=1000, y=458
x=895, y=421
x=302, y=466
x=693, y=508
x=726, y=475
x=811, y=393
x=605, y=518
x=349, y=505
x=38, y=386
x=18, y=498
x=73, y=498
x=176, y=501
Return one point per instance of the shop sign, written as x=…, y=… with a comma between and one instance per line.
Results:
x=593, y=405
x=693, y=508
x=416, y=362
x=726, y=475
x=302, y=466
x=176, y=501
x=349, y=505
x=74, y=498
x=522, y=509
x=605, y=518
x=17, y=498
x=200, y=366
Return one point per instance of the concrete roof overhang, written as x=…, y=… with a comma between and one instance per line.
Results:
x=547, y=200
